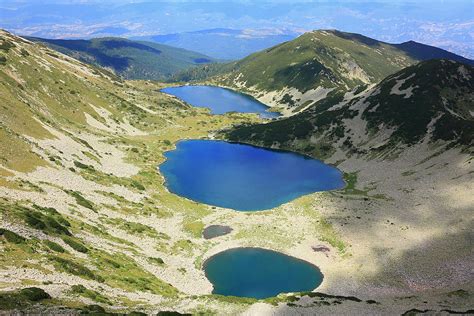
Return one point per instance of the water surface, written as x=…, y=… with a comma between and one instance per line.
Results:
x=259, y=273
x=214, y=231
x=220, y=100
x=243, y=177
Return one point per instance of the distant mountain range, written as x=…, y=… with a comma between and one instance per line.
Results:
x=223, y=43
x=127, y=58
x=440, y=23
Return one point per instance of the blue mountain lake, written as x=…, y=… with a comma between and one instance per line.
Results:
x=259, y=273
x=220, y=100
x=243, y=177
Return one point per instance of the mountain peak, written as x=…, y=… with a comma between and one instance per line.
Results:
x=294, y=74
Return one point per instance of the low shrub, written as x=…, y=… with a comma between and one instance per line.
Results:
x=93, y=310
x=18, y=299
x=11, y=236
x=93, y=295
x=154, y=260
x=80, y=165
x=76, y=245
x=138, y=185
x=82, y=201
x=75, y=268
x=34, y=294
x=48, y=223
x=54, y=246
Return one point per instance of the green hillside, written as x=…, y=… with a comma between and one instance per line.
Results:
x=293, y=74
x=72, y=137
x=88, y=225
x=433, y=99
x=129, y=59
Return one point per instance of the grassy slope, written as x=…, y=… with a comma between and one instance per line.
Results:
x=318, y=58
x=130, y=59
x=328, y=58
x=39, y=85
x=315, y=58
x=81, y=201
x=99, y=215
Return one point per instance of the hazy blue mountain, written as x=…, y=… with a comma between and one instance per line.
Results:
x=222, y=43
x=444, y=24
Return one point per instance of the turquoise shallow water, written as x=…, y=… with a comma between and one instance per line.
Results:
x=260, y=273
x=243, y=177
x=220, y=100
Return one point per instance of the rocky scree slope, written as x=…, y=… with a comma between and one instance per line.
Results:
x=68, y=197
x=405, y=146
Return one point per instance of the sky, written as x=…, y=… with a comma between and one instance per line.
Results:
x=447, y=24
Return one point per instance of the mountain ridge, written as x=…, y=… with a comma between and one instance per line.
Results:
x=293, y=74
x=127, y=58
x=223, y=43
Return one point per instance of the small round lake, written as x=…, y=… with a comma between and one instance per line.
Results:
x=243, y=177
x=259, y=273
x=220, y=100
x=214, y=231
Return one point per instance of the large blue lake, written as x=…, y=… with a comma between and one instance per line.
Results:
x=243, y=177
x=259, y=273
x=220, y=100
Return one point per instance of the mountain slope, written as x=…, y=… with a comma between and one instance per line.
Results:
x=294, y=74
x=87, y=223
x=129, y=59
x=406, y=148
x=432, y=100
x=76, y=186
x=57, y=117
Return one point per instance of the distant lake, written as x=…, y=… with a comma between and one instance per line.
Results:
x=243, y=177
x=259, y=273
x=220, y=100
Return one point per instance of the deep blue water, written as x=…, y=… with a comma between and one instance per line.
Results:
x=259, y=273
x=220, y=100
x=243, y=177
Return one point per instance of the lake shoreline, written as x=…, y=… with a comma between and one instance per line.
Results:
x=270, y=112
x=253, y=253
x=293, y=175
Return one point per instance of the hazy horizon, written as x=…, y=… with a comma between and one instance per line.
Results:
x=449, y=25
